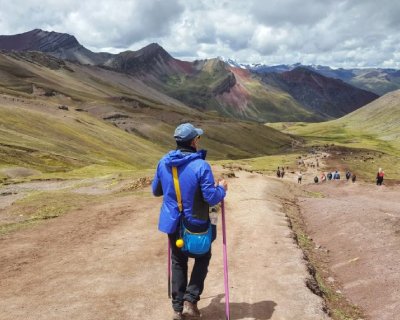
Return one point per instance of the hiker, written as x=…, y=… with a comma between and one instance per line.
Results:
x=348, y=175
x=323, y=177
x=336, y=175
x=329, y=175
x=282, y=172
x=278, y=173
x=379, y=177
x=315, y=179
x=299, y=177
x=195, y=186
x=353, y=178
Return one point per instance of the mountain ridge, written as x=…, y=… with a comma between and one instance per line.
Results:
x=209, y=85
x=330, y=97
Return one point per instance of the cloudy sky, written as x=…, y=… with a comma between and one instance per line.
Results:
x=338, y=33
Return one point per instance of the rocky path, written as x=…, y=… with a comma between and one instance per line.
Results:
x=108, y=261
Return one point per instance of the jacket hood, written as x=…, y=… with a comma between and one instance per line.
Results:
x=178, y=158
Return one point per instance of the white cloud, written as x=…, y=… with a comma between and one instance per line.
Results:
x=332, y=32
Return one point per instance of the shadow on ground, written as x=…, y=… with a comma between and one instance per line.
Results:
x=262, y=310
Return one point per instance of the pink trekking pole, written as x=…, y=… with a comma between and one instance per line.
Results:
x=227, y=310
x=169, y=269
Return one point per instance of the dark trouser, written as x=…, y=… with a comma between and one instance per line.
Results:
x=181, y=290
x=379, y=181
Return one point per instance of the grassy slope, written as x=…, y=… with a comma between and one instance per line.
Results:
x=271, y=103
x=375, y=128
x=197, y=89
x=249, y=99
x=378, y=84
x=35, y=134
x=57, y=141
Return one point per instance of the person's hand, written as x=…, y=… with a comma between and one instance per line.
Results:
x=223, y=184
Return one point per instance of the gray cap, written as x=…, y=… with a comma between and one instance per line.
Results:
x=186, y=132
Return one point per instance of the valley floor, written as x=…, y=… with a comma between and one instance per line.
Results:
x=108, y=261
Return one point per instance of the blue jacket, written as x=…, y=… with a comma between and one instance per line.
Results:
x=197, y=186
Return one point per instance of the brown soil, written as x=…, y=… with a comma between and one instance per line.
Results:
x=108, y=261
x=358, y=225
x=355, y=228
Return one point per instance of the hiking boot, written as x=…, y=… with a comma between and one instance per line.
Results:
x=177, y=315
x=190, y=310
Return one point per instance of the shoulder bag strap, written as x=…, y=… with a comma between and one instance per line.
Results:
x=177, y=188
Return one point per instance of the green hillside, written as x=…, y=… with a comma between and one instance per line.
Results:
x=52, y=140
x=378, y=81
x=265, y=101
x=113, y=122
x=232, y=92
x=368, y=137
x=375, y=126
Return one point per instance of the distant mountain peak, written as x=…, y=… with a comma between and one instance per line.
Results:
x=329, y=97
x=153, y=49
x=38, y=40
x=303, y=69
x=154, y=46
x=232, y=62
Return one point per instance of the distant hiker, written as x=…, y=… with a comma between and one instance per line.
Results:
x=282, y=172
x=315, y=179
x=278, y=173
x=379, y=177
x=329, y=175
x=194, y=182
x=353, y=178
x=299, y=177
x=348, y=175
x=336, y=175
x=323, y=177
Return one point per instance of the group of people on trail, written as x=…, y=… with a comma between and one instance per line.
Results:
x=349, y=175
x=186, y=182
x=280, y=173
x=335, y=175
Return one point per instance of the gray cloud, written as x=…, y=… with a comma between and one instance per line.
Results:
x=334, y=32
x=96, y=23
x=290, y=12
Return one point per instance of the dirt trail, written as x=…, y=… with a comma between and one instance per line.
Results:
x=109, y=262
x=359, y=225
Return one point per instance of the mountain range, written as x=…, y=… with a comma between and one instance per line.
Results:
x=376, y=80
x=212, y=85
x=66, y=111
